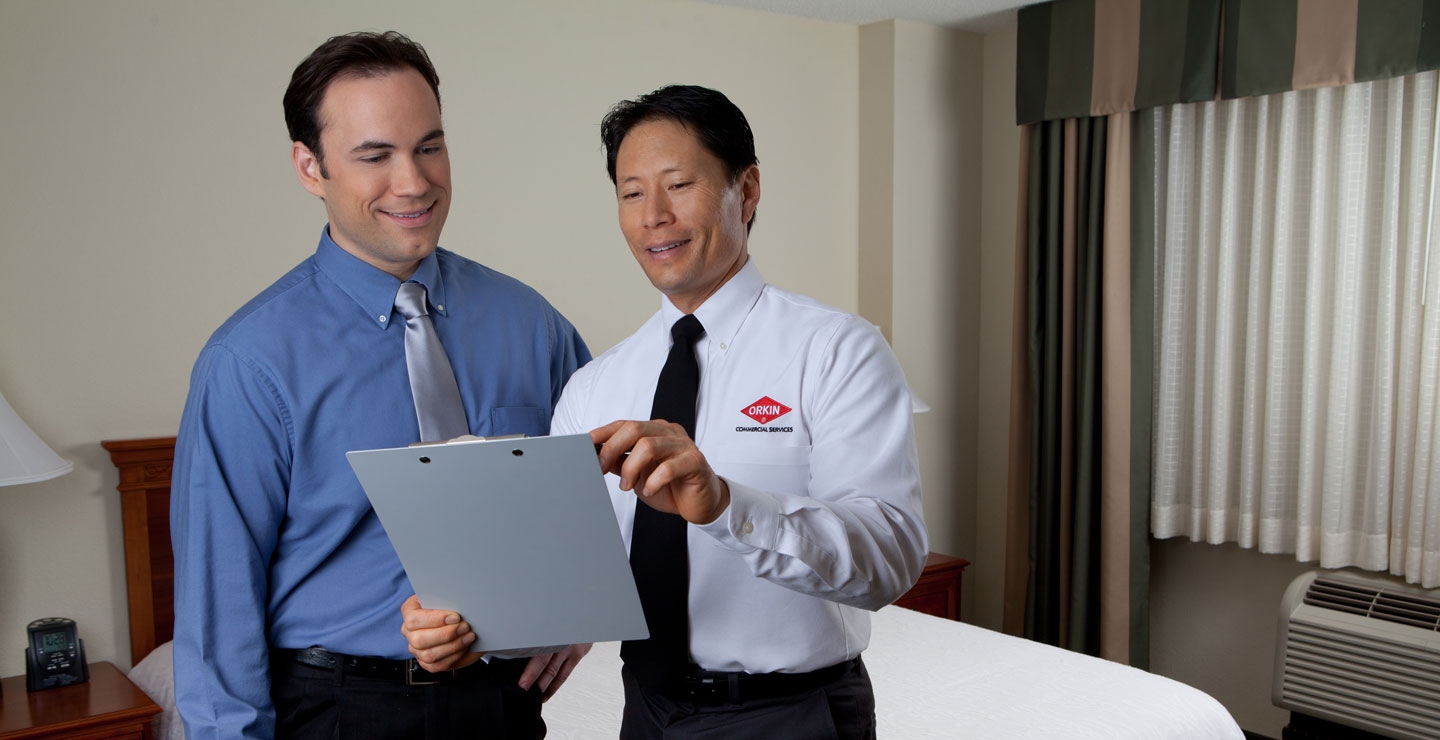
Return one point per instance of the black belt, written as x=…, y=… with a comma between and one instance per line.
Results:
x=718, y=688
x=408, y=671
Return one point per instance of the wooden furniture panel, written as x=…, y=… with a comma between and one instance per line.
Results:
x=106, y=706
x=938, y=590
x=144, y=466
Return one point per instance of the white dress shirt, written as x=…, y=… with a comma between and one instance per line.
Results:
x=804, y=411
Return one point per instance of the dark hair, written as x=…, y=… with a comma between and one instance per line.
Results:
x=360, y=54
x=715, y=121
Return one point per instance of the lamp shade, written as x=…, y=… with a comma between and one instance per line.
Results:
x=23, y=457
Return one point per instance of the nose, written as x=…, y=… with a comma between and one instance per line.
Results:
x=657, y=210
x=407, y=178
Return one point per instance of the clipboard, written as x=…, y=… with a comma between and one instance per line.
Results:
x=518, y=535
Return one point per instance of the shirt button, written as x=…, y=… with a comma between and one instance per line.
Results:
x=747, y=528
x=439, y=307
x=383, y=318
x=722, y=346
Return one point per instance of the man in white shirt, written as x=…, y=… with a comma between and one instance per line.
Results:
x=791, y=491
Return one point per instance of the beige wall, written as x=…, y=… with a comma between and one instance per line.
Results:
x=937, y=260
x=1214, y=614
x=148, y=193
x=998, y=202
x=920, y=252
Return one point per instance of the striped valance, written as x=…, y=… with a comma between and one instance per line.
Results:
x=1282, y=45
x=1078, y=58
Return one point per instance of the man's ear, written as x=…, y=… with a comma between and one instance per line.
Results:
x=307, y=168
x=749, y=192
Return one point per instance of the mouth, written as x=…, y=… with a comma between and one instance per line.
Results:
x=667, y=246
x=410, y=215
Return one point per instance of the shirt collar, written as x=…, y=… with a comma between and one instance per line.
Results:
x=723, y=312
x=373, y=289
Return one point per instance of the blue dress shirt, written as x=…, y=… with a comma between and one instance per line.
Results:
x=276, y=545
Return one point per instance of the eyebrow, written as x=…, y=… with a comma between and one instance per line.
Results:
x=666, y=171
x=375, y=144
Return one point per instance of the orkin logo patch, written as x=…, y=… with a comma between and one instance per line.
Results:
x=765, y=410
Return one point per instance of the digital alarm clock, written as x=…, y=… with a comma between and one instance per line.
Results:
x=56, y=655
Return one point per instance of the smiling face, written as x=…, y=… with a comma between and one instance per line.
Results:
x=386, y=175
x=682, y=216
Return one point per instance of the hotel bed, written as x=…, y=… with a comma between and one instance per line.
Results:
x=934, y=677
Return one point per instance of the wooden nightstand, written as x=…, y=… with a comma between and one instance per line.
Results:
x=938, y=590
x=106, y=706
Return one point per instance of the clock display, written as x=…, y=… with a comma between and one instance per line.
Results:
x=54, y=642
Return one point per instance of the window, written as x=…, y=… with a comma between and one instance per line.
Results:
x=1298, y=326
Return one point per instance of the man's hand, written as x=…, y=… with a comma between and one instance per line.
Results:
x=439, y=640
x=552, y=669
x=662, y=465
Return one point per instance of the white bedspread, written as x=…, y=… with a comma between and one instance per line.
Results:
x=935, y=678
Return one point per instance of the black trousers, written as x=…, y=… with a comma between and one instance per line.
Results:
x=841, y=710
x=321, y=704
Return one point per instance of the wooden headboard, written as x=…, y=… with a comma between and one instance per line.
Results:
x=144, y=466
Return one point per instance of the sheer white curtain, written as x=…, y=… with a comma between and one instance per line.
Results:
x=1297, y=368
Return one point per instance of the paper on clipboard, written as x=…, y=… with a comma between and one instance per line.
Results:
x=517, y=535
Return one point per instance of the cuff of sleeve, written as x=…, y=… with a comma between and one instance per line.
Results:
x=752, y=521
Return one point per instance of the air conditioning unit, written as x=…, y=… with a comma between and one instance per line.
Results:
x=1361, y=650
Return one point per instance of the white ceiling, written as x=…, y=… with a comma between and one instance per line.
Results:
x=980, y=16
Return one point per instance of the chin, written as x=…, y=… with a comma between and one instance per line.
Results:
x=423, y=248
x=666, y=284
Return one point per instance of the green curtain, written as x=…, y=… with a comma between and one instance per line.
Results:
x=1142, y=371
x=1064, y=331
x=1077, y=58
x=1080, y=453
x=1275, y=46
x=1080, y=58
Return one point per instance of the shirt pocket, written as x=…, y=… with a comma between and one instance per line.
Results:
x=531, y=421
x=763, y=465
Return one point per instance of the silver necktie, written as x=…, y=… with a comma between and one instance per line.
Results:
x=432, y=381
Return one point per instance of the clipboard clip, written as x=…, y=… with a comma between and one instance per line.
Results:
x=466, y=438
x=598, y=445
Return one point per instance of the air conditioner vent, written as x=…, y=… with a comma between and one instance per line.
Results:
x=1375, y=602
x=1361, y=650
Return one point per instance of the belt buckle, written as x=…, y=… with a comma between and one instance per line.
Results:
x=703, y=690
x=712, y=690
x=413, y=670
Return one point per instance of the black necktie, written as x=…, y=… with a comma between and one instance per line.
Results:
x=658, y=555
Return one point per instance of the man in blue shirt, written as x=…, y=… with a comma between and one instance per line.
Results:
x=288, y=593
